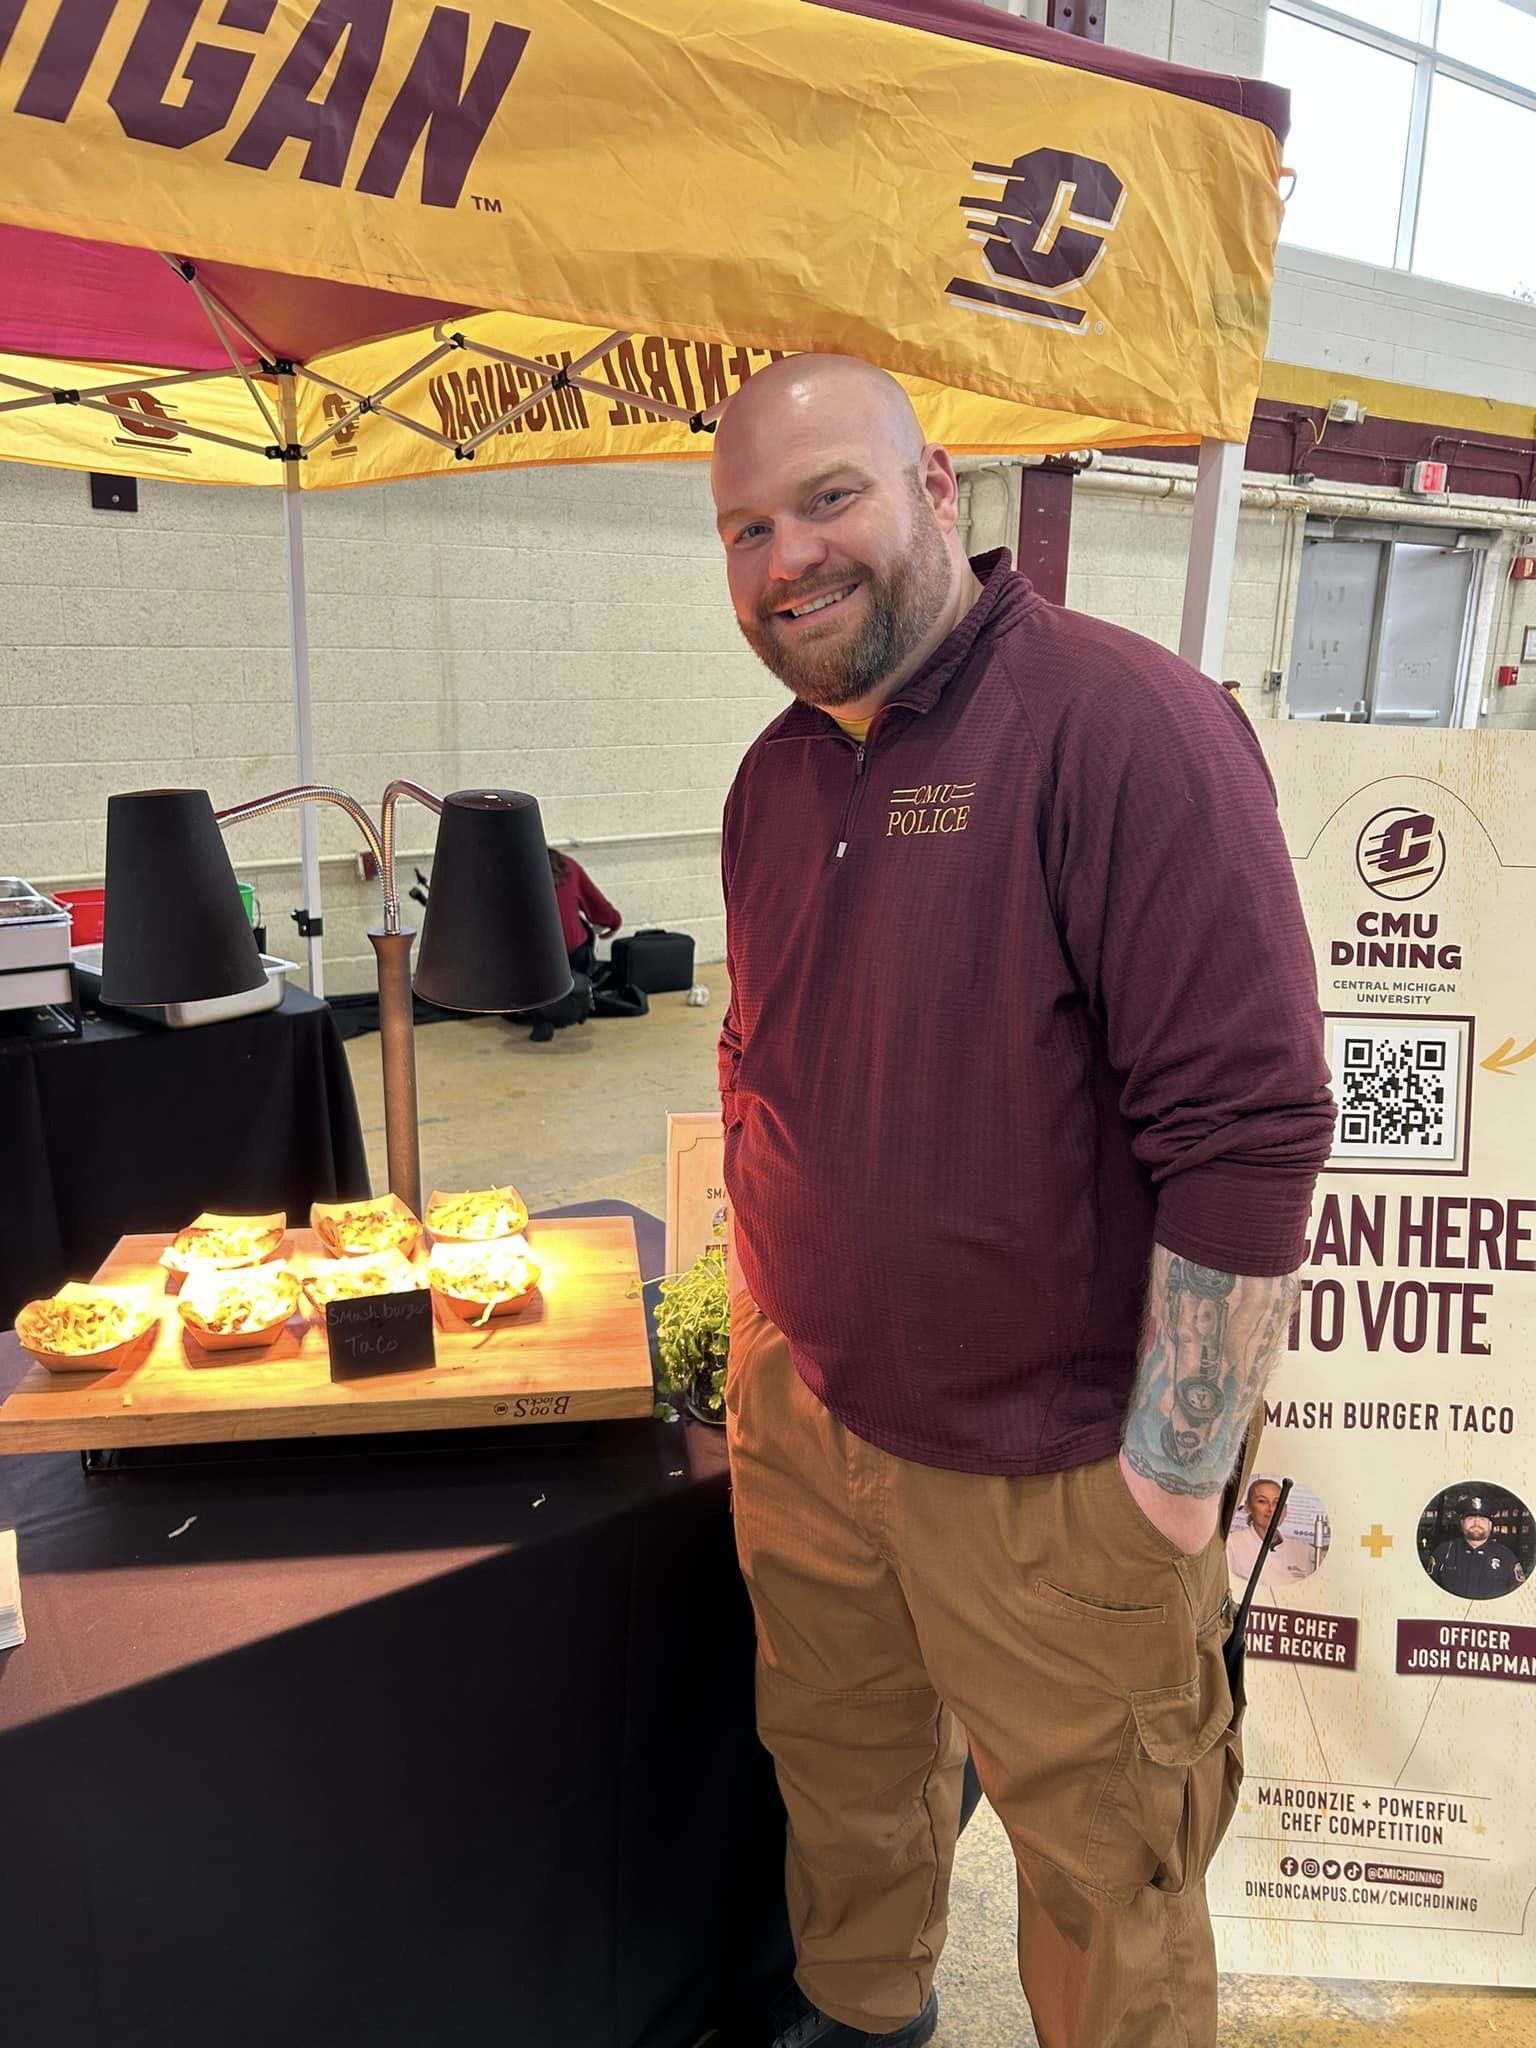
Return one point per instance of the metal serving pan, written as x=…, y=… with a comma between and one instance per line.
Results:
x=20, y=899
x=184, y=1016
x=34, y=930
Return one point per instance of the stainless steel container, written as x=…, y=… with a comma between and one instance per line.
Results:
x=34, y=947
x=216, y=1010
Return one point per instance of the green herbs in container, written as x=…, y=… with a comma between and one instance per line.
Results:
x=693, y=1329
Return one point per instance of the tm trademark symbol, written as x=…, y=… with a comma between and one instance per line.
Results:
x=484, y=205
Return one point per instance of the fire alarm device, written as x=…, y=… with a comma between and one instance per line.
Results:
x=1507, y=677
x=1523, y=569
x=1428, y=479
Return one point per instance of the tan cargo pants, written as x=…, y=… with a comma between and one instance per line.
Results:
x=1078, y=1651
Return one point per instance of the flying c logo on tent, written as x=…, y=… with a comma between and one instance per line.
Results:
x=344, y=441
x=176, y=91
x=146, y=418
x=1041, y=237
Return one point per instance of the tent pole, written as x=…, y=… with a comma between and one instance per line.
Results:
x=303, y=710
x=1212, y=555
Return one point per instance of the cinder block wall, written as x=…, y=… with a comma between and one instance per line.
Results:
x=564, y=631
x=1513, y=708
x=1128, y=563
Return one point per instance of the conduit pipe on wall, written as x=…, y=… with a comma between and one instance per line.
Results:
x=1325, y=503
x=277, y=865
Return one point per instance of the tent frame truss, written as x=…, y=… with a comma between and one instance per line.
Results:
x=1212, y=544
x=271, y=367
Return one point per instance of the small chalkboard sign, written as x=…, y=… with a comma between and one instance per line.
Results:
x=380, y=1333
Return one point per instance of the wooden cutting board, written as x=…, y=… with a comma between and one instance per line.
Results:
x=577, y=1353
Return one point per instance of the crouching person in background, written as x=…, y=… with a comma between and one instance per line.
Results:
x=586, y=915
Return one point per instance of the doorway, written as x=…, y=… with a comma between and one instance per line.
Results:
x=1383, y=624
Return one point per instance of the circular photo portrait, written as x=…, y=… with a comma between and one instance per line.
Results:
x=1292, y=1542
x=1477, y=1542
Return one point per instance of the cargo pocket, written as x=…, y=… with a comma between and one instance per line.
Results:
x=1078, y=1609
x=1189, y=1767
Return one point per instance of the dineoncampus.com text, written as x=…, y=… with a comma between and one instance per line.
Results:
x=1358, y=1895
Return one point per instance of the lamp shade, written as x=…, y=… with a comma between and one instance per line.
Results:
x=176, y=930
x=491, y=940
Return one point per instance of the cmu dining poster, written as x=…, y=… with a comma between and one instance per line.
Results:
x=1387, y=1824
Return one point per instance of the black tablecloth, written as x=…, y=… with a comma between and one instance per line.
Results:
x=423, y=1748
x=134, y=1127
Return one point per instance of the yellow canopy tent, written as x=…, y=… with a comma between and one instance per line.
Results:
x=313, y=243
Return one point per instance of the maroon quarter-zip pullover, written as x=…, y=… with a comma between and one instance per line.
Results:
x=1016, y=987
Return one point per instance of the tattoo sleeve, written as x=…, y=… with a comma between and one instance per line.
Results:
x=1208, y=1345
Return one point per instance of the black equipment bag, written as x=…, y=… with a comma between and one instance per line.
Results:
x=654, y=961
x=611, y=1000
x=574, y=1008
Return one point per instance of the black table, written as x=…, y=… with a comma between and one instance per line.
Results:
x=414, y=1748
x=134, y=1127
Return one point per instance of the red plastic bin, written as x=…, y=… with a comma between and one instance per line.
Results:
x=87, y=914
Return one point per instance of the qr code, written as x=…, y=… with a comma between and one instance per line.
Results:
x=1398, y=1089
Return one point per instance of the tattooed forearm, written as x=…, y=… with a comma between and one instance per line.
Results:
x=1207, y=1349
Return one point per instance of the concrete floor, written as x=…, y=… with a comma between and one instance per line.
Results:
x=580, y=1119
x=585, y=1117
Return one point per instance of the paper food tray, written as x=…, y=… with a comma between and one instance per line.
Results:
x=400, y=1276
x=512, y=1226
x=328, y=1221
x=140, y=1299
x=459, y=1258
x=269, y=1230
x=202, y=1291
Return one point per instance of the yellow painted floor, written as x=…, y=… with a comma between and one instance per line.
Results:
x=584, y=1118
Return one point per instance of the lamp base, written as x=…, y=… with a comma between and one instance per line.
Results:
x=397, y=1050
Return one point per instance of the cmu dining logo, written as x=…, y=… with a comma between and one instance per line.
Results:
x=1400, y=853
x=174, y=91
x=1041, y=237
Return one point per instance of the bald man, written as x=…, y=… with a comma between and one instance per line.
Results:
x=1023, y=1033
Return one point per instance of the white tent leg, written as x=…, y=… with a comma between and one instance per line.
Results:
x=303, y=711
x=1212, y=553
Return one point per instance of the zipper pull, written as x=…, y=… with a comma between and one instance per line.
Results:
x=858, y=770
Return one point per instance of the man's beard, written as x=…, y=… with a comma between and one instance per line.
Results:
x=900, y=606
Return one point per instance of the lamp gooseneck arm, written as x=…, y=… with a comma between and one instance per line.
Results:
x=392, y=797
x=393, y=950
x=308, y=793
x=380, y=839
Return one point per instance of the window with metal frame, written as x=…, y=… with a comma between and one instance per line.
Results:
x=1384, y=623
x=1414, y=134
